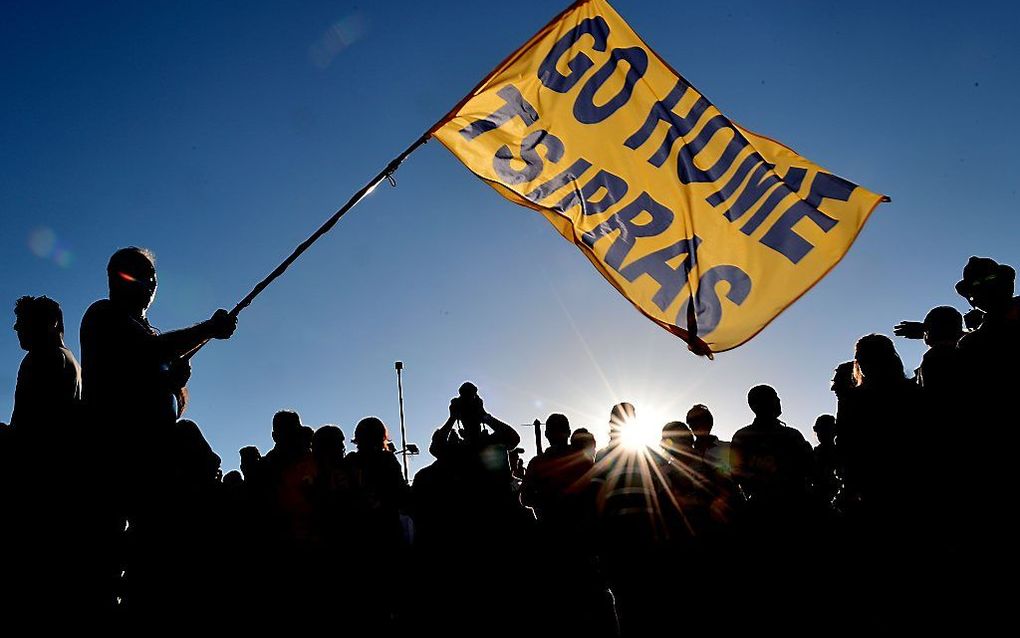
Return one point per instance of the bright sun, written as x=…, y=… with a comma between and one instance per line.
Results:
x=643, y=431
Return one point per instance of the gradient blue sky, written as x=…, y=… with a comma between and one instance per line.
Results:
x=220, y=134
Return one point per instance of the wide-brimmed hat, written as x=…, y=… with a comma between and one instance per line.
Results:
x=980, y=269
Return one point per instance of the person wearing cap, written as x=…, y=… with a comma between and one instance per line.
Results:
x=990, y=375
x=990, y=355
x=990, y=352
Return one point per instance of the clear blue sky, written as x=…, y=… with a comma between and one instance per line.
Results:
x=220, y=134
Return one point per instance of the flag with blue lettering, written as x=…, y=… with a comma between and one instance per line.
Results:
x=710, y=230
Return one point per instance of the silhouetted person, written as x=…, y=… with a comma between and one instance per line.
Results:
x=771, y=462
x=843, y=384
x=195, y=462
x=939, y=372
x=557, y=479
x=49, y=379
x=716, y=500
x=251, y=458
x=990, y=372
x=472, y=438
x=248, y=521
x=328, y=448
x=710, y=508
x=375, y=471
x=677, y=440
x=630, y=524
x=479, y=450
x=233, y=480
x=470, y=520
x=990, y=354
x=557, y=485
x=131, y=375
x=584, y=440
x=843, y=379
x=827, y=480
x=132, y=372
x=517, y=467
x=707, y=446
x=877, y=425
x=621, y=417
x=332, y=538
x=379, y=496
x=682, y=486
x=289, y=472
x=39, y=506
x=622, y=476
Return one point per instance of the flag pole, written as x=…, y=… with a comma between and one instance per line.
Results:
x=384, y=174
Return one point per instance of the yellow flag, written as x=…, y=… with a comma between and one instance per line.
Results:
x=669, y=199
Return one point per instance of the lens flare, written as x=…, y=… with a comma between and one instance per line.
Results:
x=337, y=37
x=44, y=244
x=41, y=241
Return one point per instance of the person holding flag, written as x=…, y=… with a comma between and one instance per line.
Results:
x=131, y=374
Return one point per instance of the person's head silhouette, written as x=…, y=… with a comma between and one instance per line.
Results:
x=328, y=445
x=876, y=360
x=677, y=436
x=131, y=273
x=287, y=428
x=470, y=411
x=825, y=429
x=370, y=434
x=557, y=430
x=764, y=402
x=584, y=441
x=250, y=458
x=39, y=322
x=233, y=479
x=700, y=420
x=943, y=325
x=619, y=417
x=986, y=284
x=843, y=378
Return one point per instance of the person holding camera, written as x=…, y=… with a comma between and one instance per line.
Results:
x=481, y=439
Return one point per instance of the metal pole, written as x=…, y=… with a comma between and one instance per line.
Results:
x=538, y=435
x=399, y=365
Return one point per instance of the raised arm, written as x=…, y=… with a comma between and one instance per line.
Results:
x=502, y=432
x=177, y=343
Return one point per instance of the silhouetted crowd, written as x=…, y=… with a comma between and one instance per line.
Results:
x=115, y=509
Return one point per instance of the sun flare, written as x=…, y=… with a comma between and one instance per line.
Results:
x=644, y=431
